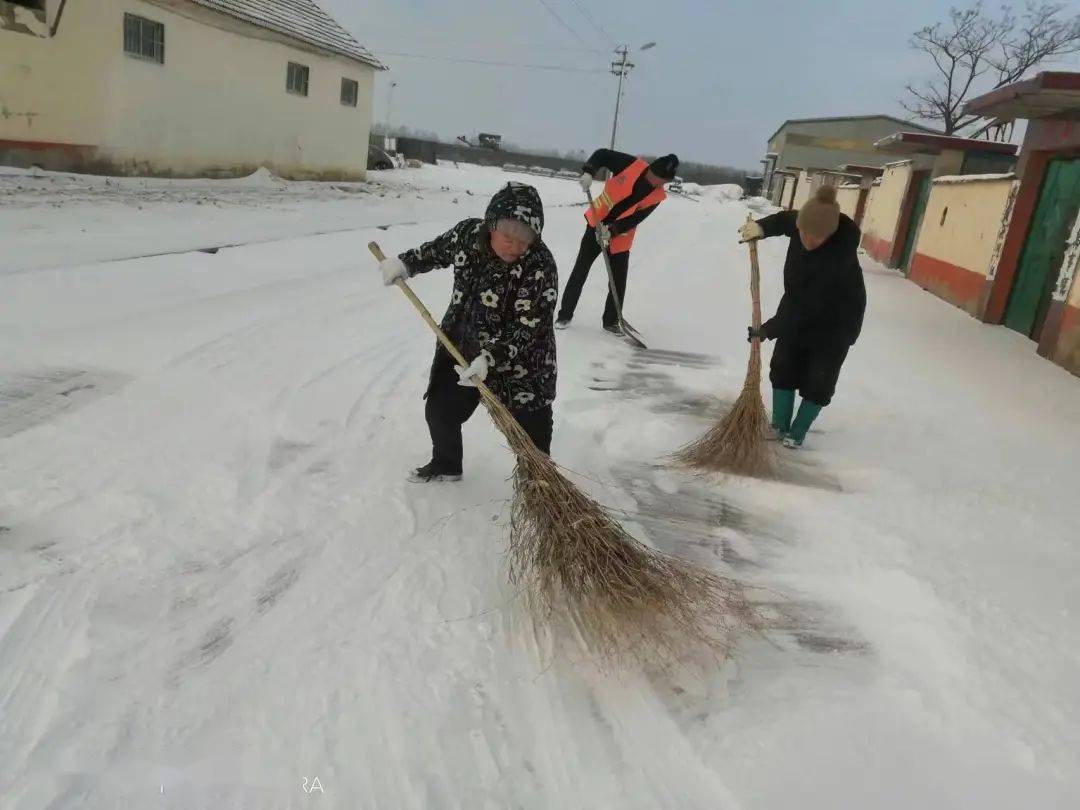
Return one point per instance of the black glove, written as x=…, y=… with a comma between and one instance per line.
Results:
x=758, y=333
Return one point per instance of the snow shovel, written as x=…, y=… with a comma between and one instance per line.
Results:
x=629, y=332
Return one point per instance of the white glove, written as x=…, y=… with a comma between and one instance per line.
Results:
x=393, y=269
x=603, y=236
x=476, y=372
x=750, y=232
x=585, y=181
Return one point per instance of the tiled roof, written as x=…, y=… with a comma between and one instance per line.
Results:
x=300, y=19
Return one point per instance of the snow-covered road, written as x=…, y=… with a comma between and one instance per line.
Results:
x=215, y=585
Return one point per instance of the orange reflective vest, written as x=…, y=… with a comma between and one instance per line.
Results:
x=616, y=190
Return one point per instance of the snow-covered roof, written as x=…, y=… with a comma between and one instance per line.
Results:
x=300, y=19
x=973, y=178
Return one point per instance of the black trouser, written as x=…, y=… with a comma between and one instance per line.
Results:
x=809, y=366
x=450, y=405
x=587, y=254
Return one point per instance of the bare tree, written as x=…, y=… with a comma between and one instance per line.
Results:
x=974, y=50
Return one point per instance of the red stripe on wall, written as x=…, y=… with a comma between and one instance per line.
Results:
x=879, y=249
x=1066, y=350
x=957, y=285
x=44, y=146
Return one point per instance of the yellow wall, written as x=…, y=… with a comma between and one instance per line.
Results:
x=848, y=197
x=217, y=105
x=883, y=210
x=51, y=89
x=785, y=195
x=967, y=236
x=802, y=193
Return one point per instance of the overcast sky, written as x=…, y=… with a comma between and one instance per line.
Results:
x=722, y=78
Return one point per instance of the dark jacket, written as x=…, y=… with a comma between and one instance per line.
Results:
x=503, y=311
x=616, y=162
x=824, y=295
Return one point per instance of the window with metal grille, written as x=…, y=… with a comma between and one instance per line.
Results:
x=296, y=80
x=350, y=92
x=144, y=39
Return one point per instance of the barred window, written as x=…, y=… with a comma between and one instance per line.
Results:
x=350, y=92
x=296, y=80
x=144, y=39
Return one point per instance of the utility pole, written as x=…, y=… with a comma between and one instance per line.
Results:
x=621, y=69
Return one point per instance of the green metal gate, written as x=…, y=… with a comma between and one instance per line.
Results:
x=919, y=208
x=1044, y=248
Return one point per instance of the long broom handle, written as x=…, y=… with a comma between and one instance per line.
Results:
x=376, y=251
x=755, y=284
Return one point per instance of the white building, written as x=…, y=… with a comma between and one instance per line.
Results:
x=183, y=87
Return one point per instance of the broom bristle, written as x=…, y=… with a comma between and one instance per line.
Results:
x=738, y=443
x=579, y=567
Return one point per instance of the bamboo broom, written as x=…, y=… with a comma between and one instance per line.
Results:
x=581, y=570
x=738, y=443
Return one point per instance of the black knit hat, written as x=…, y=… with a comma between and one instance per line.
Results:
x=665, y=167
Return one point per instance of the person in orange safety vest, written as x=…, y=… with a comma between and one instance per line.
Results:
x=635, y=189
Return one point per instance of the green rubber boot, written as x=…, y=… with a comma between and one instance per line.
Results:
x=808, y=412
x=783, y=405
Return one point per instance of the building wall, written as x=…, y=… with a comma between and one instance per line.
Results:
x=1048, y=136
x=827, y=144
x=948, y=164
x=957, y=239
x=1044, y=140
x=848, y=197
x=803, y=191
x=786, y=191
x=217, y=106
x=51, y=90
x=883, y=211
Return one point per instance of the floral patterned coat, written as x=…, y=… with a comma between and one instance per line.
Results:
x=503, y=311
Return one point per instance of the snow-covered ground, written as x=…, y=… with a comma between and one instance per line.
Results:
x=215, y=586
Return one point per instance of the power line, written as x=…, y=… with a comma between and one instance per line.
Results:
x=588, y=16
x=563, y=22
x=492, y=63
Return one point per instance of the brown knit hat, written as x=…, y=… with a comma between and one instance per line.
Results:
x=820, y=215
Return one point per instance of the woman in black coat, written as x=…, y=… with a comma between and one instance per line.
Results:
x=820, y=314
x=501, y=314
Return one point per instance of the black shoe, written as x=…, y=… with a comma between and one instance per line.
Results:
x=429, y=473
x=562, y=323
x=614, y=328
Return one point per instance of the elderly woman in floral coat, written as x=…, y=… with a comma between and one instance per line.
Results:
x=501, y=314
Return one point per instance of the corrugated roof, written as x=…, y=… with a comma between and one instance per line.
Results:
x=829, y=119
x=300, y=19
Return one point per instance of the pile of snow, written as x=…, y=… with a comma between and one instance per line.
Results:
x=261, y=178
x=725, y=192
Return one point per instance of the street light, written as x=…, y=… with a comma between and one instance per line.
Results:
x=622, y=69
